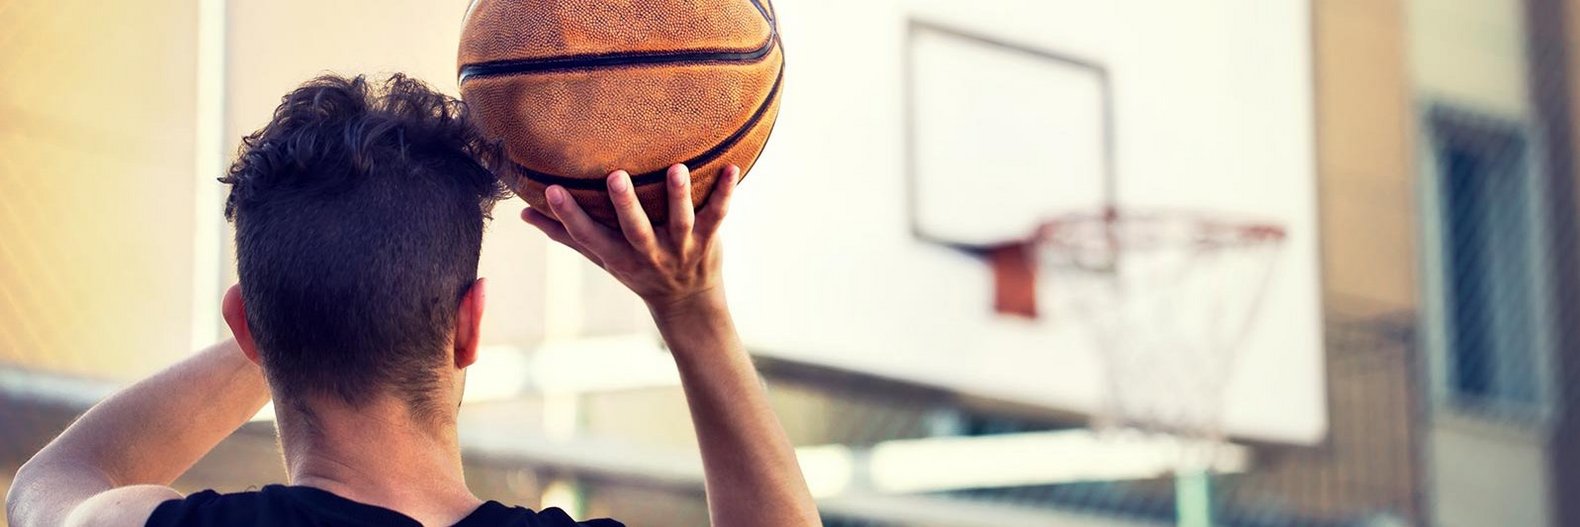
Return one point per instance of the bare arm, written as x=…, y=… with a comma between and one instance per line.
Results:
x=751, y=471
x=752, y=475
x=113, y=465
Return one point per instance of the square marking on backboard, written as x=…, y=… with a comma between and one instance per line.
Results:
x=1001, y=136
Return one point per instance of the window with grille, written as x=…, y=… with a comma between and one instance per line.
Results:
x=1488, y=256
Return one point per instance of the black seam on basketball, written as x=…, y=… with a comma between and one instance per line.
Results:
x=614, y=60
x=766, y=139
x=657, y=176
x=772, y=23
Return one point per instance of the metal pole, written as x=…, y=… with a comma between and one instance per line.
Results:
x=1193, y=498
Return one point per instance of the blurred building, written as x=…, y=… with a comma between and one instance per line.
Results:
x=1445, y=139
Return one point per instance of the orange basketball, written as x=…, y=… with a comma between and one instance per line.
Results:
x=579, y=88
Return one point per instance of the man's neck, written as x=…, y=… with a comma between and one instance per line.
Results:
x=379, y=455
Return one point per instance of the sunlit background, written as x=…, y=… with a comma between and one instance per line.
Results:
x=1389, y=343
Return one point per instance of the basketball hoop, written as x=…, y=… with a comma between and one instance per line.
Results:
x=1166, y=298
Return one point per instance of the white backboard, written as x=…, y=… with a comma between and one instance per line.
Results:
x=891, y=136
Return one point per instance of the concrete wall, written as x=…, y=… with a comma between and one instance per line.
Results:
x=1487, y=475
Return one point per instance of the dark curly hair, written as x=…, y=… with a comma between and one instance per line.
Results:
x=359, y=213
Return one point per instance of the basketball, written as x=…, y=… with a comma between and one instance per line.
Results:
x=576, y=89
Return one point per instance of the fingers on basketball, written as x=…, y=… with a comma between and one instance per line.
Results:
x=718, y=204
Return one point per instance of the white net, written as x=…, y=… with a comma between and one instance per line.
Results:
x=1166, y=298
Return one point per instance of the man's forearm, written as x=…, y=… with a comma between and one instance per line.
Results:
x=752, y=474
x=149, y=433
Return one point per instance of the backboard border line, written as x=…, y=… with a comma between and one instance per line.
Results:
x=916, y=25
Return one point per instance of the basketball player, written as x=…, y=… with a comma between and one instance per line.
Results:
x=359, y=213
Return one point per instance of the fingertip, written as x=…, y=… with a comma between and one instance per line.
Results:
x=619, y=181
x=679, y=175
x=556, y=195
x=732, y=175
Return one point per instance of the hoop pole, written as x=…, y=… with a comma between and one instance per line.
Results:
x=1193, y=498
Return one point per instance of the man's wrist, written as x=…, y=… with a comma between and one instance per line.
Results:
x=697, y=328
x=703, y=305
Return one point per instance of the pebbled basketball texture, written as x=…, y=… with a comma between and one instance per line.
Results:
x=577, y=89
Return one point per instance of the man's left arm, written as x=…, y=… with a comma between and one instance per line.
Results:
x=114, y=465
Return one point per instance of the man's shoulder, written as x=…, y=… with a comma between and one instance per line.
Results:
x=124, y=506
x=210, y=507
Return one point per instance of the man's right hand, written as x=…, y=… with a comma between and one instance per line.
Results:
x=673, y=267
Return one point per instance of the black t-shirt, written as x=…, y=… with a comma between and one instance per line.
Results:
x=279, y=505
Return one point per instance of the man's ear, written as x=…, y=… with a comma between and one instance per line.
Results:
x=236, y=317
x=468, y=325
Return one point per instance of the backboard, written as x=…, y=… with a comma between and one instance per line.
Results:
x=932, y=126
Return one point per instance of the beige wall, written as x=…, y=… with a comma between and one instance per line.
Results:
x=1364, y=156
x=96, y=184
